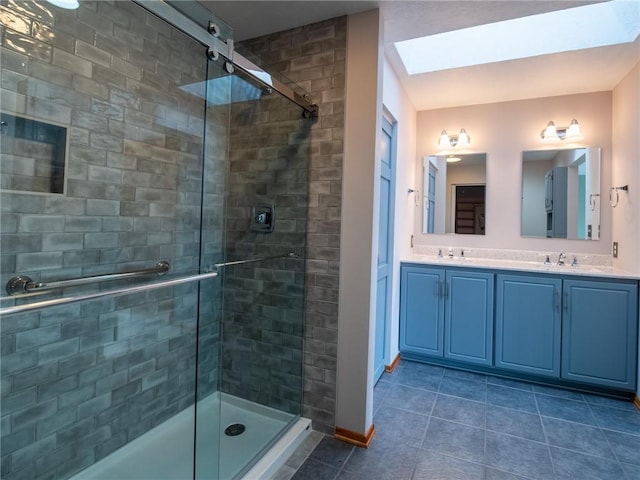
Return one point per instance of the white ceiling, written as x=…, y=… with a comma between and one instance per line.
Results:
x=590, y=70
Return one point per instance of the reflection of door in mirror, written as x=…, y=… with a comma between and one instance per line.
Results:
x=469, y=208
x=466, y=184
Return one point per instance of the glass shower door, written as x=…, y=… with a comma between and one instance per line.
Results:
x=102, y=173
x=261, y=323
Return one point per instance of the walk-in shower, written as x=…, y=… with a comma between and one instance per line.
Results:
x=154, y=213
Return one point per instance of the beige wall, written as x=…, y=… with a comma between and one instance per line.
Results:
x=626, y=170
x=358, y=244
x=398, y=106
x=503, y=131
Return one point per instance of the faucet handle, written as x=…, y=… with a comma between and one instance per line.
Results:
x=547, y=260
x=574, y=263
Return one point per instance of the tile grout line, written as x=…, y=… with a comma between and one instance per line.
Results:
x=599, y=427
x=546, y=438
x=341, y=469
x=426, y=428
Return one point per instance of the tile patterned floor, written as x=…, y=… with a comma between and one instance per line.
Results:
x=440, y=423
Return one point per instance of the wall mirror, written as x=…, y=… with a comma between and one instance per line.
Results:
x=561, y=193
x=454, y=194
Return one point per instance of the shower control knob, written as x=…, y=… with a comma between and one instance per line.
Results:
x=261, y=218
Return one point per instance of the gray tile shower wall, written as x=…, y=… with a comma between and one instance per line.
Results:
x=264, y=301
x=82, y=380
x=313, y=57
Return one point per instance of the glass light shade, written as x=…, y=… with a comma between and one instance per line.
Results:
x=573, y=131
x=550, y=134
x=463, y=138
x=443, y=141
x=68, y=4
x=452, y=159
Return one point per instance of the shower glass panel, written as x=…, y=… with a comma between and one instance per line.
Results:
x=84, y=384
x=122, y=148
x=260, y=363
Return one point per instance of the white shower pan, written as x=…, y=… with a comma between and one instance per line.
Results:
x=166, y=451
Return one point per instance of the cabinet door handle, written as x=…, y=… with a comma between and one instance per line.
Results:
x=557, y=301
x=566, y=302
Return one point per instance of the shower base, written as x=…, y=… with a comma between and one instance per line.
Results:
x=166, y=452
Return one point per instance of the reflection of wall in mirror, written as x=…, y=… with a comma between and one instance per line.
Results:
x=592, y=193
x=579, y=189
x=534, y=216
x=583, y=220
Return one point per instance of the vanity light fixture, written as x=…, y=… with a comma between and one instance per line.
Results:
x=449, y=141
x=551, y=133
x=453, y=159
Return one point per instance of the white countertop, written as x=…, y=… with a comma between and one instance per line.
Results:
x=523, y=266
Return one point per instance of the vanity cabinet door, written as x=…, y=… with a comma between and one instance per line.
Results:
x=599, y=332
x=422, y=310
x=528, y=324
x=468, y=321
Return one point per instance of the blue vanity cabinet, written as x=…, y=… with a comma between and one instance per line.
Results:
x=528, y=324
x=599, y=332
x=421, y=310
x=447, y=313
x=468, y=335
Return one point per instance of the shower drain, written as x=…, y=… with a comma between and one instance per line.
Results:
x=234, y=429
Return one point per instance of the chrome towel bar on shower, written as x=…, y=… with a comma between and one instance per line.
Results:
x=24, y=284
x=107, y=293
x=251, y=260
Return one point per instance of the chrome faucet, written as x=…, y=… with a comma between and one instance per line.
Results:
x=561, y=258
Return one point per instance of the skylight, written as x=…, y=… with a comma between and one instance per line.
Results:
x=590, y=26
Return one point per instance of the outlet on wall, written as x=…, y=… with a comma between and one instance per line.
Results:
x=615, y=249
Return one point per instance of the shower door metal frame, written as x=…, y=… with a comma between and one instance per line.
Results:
x=225, y=48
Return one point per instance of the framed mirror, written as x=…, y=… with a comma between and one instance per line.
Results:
x=454, y=194
x=561, y=193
